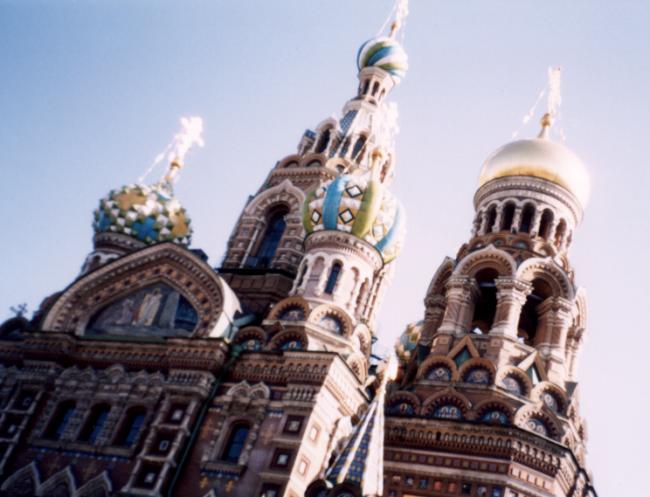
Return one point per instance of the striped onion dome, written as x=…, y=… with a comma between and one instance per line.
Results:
x=385, y=53
x=361, y=205
x=150, y=214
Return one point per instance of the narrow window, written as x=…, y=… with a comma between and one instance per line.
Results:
x=271, y=240
x=95, y=423
x=508, y=216
x=366, y=86
x=131, y=427
x=529, y=317
x=375, y=88
x=559, y=233
x=60, y=420
x=323, y=141
x=527, y=218
x=361, y=141
x=332, y=278
x=491, y=218
x=486, y=303
x=236, y=441
x=545, y=224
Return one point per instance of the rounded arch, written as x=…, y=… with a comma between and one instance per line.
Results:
x=527, y=216
x=440, y=278
x=524, y=382
x=282, y=193
x=295, y=302
x=489, y=257
x=449, y=397
x=539, y=420
x=477, y=363
x=358, y=363
x=289, y=161
x=549, y=272
x=508, y=215
x=551, y=396
x=289, y=340
x=325, y=310
x=433, y=361
x=487, y=411
x=402, y=403
x=168, y=263
x=545, y=224
x=251, y=338
x=364, y=335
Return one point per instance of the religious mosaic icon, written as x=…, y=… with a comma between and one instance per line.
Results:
x=157, y=310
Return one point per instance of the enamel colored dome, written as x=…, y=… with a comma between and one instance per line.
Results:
x=541, y=158
x=408, y=341
x=384, y=53
x=360, y=205
x=149, y=213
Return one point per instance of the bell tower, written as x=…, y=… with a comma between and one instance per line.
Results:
x=487, y=402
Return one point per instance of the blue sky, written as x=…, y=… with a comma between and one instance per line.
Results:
x=91, y=91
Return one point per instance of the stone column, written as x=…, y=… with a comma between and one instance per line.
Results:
x=511, y=296
x=536, y=221
x=461, y=295
x=497, y=220
x=322, y=277
x=435, y=311
x=516, y=219
x=555, y=318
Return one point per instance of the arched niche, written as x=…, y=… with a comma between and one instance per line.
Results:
x=142, y=292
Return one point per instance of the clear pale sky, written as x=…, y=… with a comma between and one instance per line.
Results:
x=91, y=91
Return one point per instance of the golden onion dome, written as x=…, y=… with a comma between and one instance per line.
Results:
x=539, y=158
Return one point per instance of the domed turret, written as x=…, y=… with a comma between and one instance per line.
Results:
x=541, y=158
x=151, y=214
x=359, y=204
x=385, y=53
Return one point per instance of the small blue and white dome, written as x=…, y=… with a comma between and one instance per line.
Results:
x=385, y=53
x=408, y=341
x=361, y=205
x=150, y=214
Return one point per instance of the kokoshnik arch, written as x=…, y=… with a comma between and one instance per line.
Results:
x=155, y=374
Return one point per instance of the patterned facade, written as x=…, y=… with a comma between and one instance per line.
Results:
x=155, y=374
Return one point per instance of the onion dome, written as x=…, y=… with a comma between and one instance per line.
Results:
x=541, y=158
x=359, y=204
x=385, y=53
x=150, y=214
x=408, y=341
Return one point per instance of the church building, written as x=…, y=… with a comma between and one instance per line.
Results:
x=155, y=374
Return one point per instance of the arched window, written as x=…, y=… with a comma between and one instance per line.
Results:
x=366, y=86
x=276, y=225
x=507, y=216
x=333, y=278
x=529, y=318
x=131, y=427
x=361, y=297
x=559, y=233
x=60, y=420
x=375, y=88
x=491, y=218
x=486, y=303
x=361, y=141
x=527, y=218
x=545, y=224
x=323, y=141
x=95, y=423
x=236, y=441
x=346, y=146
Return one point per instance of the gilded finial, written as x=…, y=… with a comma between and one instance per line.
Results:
x=546, y=122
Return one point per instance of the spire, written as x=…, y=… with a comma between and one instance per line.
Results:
x=553, y=102
x=361, y=462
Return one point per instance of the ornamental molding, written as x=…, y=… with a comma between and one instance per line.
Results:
x=488, y=257
x=529, y=186
x=166, y=262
